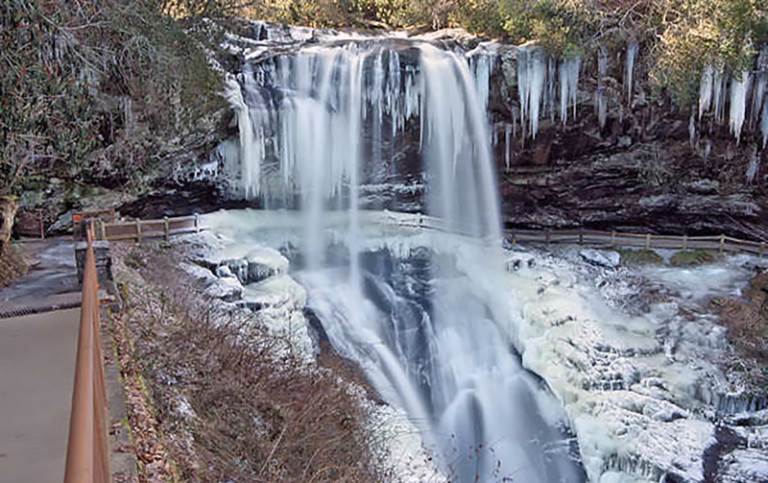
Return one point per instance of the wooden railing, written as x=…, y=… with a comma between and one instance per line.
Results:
x=721, y=243
x=87, y=458
x=140, y=229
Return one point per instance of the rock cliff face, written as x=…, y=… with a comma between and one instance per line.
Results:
x=628, y=161
x=582, y=142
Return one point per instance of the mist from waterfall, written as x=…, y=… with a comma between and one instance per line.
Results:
x=425, y=325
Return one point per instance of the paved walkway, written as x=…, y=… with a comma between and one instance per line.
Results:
x=37, y=361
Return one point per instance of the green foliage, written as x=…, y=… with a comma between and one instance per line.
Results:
x=90, y=88
x=694, y=34
x=561, y=26
x=632, y=258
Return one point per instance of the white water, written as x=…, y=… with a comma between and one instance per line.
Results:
x=322, y=115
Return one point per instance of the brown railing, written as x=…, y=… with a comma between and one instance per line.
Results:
x=87, y=459
x=721, y=243
x=81, y=220
x=140, y=229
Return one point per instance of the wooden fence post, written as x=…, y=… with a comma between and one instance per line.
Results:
x=102, y=230
x=581, y=236
x=166, y=228
x=613, y=238
x=722, y=243
x=648, y=241
x=762, y=249
x=685, y=242
x=138, y=230
x=547, y=237
x=197, y=223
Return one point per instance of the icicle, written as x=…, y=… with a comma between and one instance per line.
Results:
x=531, y=75
x=764, y=124
x=738, y=104
x=705, y=90
x=250, y=161
x=718, y=95
x=569, y=85
x=754, y=164
x=601, y=103
x=507, y=144
x=629, y=69
x=692, y=129
x=551, y=76
x=761, y=85
x=480, y=64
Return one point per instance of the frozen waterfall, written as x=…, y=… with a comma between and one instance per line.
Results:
x=426, y=324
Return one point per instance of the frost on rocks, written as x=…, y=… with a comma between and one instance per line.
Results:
x=600, y=258
x=228, y=289
x=745, y=465
x=636, y=387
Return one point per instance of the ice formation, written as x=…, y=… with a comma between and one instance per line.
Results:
x=739, y=88
x=569, y=86
x=601, y=99
x=531, y=77
x=629, y=68
x=747, y=94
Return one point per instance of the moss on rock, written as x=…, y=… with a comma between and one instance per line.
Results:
x=687, y=258
x=630, y=257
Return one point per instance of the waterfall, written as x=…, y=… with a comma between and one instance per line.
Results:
x=427, y=323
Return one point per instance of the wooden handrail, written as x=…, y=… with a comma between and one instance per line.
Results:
x=87, y=459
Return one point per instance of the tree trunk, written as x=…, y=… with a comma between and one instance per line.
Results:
x=8, y=209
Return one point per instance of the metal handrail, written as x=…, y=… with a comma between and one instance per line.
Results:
x=87, y=459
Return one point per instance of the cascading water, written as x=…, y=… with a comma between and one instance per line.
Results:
x=424, y=323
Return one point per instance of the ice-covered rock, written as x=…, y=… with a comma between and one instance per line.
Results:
x=202, y=275
x=228, y=289
x=265, y=262
x=277, y=291
x=224, y=272
x=605, y=259
x=745, y=466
